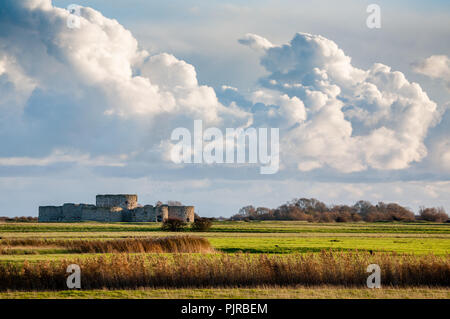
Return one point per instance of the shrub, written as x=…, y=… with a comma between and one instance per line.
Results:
x=173, y=224
x=356, y=217
x=328, y=217
x=344, y=217
x=22, y=219
x=201, y=224
x=433, y=214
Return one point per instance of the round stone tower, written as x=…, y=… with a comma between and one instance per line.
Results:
x=185, y=213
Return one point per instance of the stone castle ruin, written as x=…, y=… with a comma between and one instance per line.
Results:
x=115, y=208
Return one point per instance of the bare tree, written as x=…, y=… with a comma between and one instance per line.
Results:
x=433, y=214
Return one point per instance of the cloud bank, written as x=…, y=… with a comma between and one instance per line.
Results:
x=91, y=90
x=94, y=92
x=348, y=119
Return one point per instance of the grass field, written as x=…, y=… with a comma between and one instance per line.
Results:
x=239, y=293
x=255, y=238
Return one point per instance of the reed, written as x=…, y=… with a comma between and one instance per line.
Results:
x=130, y=271
x=172, y=244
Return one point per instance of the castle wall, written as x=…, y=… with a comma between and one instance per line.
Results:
x=114, y=216
x=185, y=213
x=50, y=213
x=101, y=214
x=162, y=213
x=145, y=213
x=110, y=208
x=123, y=201
x=89, y=212
x=139, y=214
x=142, y=213
x=150, y=213
x=71, y=212
x=127, y=216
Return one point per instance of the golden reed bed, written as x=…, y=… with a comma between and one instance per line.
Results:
x=129, y=271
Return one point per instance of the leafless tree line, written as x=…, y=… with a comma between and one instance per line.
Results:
x=313, y=210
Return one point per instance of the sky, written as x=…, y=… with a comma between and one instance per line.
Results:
x=362, y=113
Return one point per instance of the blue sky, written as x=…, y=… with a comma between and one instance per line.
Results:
x=65, y=137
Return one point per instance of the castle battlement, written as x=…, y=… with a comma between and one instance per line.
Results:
x=114, y=208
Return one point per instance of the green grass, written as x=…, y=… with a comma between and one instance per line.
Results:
x=238, y=293
x=283, y=245
x=305, y=227
x=280, y=237
x=238, y=227
x=273, y=237
x=438, y=246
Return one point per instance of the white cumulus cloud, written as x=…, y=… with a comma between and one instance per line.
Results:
x=435, y=66
x=95, y=91
x=355, y=119
x=255, y=42
x=93, y=88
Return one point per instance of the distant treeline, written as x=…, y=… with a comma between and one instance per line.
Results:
x=313, y=210
x=22, y=219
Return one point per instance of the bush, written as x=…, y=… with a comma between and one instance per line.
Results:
x=21, y=219
x=201, y=224
x=356, y=217
x=344, y=217
x=173, y=224
x=433, y=214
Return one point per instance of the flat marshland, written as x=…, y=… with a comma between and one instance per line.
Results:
x=232, y=260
